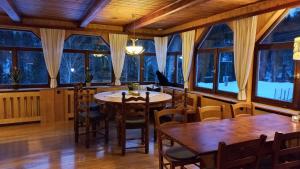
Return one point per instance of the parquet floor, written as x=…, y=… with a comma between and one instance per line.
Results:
x=36, y=146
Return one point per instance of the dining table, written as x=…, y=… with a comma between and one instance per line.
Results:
x=203, y=138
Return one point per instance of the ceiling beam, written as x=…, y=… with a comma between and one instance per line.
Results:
x=161, y=13
x=10, y=10
x=92, y=13
x=242, y=12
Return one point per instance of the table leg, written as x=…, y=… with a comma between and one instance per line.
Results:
x=160, y=150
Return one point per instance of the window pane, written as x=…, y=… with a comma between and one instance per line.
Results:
x=83, y=42
x=227, y=80
x=13, y=38
x=150, y=68
x=101, y=68
x=287, y=30
x=170, y=69
x=205, y=70
x=72, y=68
x=179, y=71
x=131, y=69
x=5, y=66
x=218, y=37
x=175, y=44
x=275, y=75
x=32, y=67
x=147, y=44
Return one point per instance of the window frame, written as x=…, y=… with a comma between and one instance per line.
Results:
x=216, y=52
x=296, y=92
x=14, y=56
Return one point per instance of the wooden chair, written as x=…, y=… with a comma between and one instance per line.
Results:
x=134, y=116
x=87, y=117
x=209, y=113
x=176, y=156
x=242, y=109
x=244, y=155
x=286, y=155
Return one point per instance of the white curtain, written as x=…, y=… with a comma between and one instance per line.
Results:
x=161, y=47
x=244, y=41
x=188, y=40
x=117, y=50
x=53, y=45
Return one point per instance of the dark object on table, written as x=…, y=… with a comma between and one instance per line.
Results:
x=157, y=89
x=163, y=81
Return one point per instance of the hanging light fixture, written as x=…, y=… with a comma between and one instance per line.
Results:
x=133, y=49
x=98, y=55
x=296, y=55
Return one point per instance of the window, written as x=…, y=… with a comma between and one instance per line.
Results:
x=22, y=50
x=215, y=62
x=82, y=53
x=274, y=81
x=141, y=68
x=174, y=61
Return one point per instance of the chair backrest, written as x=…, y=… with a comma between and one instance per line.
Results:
x=209, y=113
x=177, y=116
x=242, y=109
x=244, y=155
x=82, y=99
x=286, y=151
x=135, y=106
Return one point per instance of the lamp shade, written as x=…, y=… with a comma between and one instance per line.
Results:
x=296, y=55
x=133, y=49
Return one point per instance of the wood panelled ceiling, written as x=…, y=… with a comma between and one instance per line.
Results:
x=150, y=14
x=201, y=10
x=119, y=12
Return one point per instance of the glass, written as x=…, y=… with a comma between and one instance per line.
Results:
x=131, y=69
x=101, y=68
x=84, y=42
x=219, y=36
x=175, y=44
x=227, y=81
x=5, y=66
x=180, y=79
x=32, y=67
x=287, y=30
x=150, y=68
x=275, y=75
x=72, y=68
x=14, y=38
x=205, y=70
x=170, y=68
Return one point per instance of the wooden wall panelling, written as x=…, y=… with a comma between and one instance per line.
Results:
x=19, y=107
x=59, y=105
x=47, y=106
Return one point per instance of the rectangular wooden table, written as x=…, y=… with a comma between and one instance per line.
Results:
x=204, y=137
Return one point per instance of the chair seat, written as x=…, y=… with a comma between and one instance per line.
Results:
x=135, y=121
x=180, y=153
x=92, y=115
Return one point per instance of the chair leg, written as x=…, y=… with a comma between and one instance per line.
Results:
x=76, y=132
x=143, y=135
x=106, y=130
x=87, y=136
x=94, y=127
x=119, y=134
x=147, y=140
x=123, y=140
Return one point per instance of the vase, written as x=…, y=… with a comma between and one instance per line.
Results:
x=88, y=84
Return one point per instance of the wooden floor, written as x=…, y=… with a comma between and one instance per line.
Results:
x=36, y=146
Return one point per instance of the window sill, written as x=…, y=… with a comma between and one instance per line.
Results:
x=21, y=90
x=277, y=110
x=216, y=97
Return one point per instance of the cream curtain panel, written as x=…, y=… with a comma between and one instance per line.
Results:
x=244, y=41
x=188, y=40
x=161, y=47
x=53, y=45
x=117, y=50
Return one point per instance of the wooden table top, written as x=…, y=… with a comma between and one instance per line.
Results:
x=204, y=137
x=116, y=97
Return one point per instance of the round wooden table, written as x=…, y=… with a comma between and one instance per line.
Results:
x=115, y=97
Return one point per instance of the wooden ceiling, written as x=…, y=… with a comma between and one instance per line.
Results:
x=149, y=14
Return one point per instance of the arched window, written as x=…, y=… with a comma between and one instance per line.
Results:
x=141, y=68
x=215, y=61
x=84, y=53
x=275, y=67
x=22, y=51
x=174, y=60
